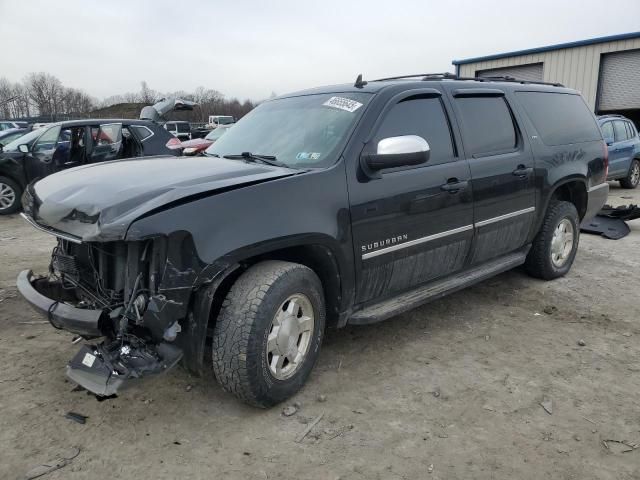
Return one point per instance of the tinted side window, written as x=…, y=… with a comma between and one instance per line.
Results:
x=487, y=126
x=141, y=132
x=620, y=131
x=424, y=117
x=607, y=131
x=559, y=118
x=627, y=125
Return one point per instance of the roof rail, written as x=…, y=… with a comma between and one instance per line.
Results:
x=453, y=76
x=617, y=115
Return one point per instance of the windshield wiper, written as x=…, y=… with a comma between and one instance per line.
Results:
x=250, y=157
x=211, y=155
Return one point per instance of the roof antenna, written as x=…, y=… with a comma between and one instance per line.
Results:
x=359, y=82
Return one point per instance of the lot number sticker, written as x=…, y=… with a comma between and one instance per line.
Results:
x=342, y=103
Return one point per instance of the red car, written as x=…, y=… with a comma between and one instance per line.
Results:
x=199, y=145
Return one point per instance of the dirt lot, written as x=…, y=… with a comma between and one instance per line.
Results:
x=451, y=390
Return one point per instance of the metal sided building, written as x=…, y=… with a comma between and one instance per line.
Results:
x=605, y=70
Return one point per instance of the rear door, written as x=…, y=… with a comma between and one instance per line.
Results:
x=621, y=150
x=502, y=173
x=413, y=224
x=107, y=142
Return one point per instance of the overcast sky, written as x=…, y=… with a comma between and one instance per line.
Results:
x=249, y=49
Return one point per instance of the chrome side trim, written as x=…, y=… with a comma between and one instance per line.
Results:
x=597, y=187
x=63, y=236
x=417, y=241
x=489, y=221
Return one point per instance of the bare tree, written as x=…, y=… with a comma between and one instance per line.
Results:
x=146, y=94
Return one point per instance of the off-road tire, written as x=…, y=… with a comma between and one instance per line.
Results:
x=240, y=335
x=538, y=263
x=18, y=194
x=632, y=179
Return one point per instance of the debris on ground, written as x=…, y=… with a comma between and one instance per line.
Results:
x=322, y=398
x=550, y=309
x=59, y=462
x=358, y=411
x=76, y=417
x=430, y=468
x=582, y=343
x=547, y=404
x=436, y=392
x=289, y=410
x=619, y=446
x=188, y=388
x=309, y=428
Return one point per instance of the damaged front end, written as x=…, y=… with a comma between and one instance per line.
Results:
x=134, y=294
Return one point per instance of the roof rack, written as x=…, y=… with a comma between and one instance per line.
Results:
x=617, y=115
x=453, y=76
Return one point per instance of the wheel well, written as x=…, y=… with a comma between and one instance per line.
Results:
x=318, y=258
x=574, y=192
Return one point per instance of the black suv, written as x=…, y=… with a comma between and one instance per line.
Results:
x=339, y=205
x=64, y=145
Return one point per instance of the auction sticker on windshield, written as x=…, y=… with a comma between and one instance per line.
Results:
x=342, y=103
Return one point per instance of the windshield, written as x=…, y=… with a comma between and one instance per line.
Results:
x=216, y=134
x=27, y=139
x=224, y=120
x=183, y=128
x=301, y=132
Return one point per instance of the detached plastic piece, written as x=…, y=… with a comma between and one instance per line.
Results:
x=105, y=369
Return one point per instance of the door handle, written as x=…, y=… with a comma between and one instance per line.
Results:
x=522, y=171
x=454, y=186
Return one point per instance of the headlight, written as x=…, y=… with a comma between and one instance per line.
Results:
x=189, y=151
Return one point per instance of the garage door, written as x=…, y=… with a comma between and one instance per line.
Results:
x=531, y=72
x=620, y=81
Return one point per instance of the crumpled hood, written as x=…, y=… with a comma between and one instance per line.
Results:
x=100, y=201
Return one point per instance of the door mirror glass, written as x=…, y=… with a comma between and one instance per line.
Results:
x=23, y=148
x=394, y=152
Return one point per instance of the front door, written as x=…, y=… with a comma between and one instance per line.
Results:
x=413, y=224
x=39, y=161
x=502, y=173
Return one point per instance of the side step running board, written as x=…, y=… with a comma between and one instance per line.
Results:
x=419, y=296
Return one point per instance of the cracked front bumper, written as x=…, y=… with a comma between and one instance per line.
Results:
x=36, y=291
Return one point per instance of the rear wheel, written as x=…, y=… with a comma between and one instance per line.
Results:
x=633, y=178
x=10, y=193
x=555, y=246
x=268, y=333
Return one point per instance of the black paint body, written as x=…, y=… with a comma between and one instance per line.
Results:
x=216, y=216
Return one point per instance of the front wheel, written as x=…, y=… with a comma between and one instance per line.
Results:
x=633, y=178
x=555, y=246
x=268, y=334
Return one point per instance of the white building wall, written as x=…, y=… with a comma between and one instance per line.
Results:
x=576, y=67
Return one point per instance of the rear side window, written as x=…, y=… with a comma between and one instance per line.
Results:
x=607, y=131
x=620, y=130
x=487, y=125
x=559, y=118
x=629, y=128
x=141, y=132
x=424, y=117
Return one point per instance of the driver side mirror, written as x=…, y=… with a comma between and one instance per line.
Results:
x=608, y=141
x=23, y=148
x=394, y=152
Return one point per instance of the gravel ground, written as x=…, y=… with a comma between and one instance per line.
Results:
x=452, y=390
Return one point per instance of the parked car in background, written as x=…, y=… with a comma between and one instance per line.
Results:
x=7, y=136
x=216, y=120
x=348, y=204
x=199, y=145
x=70, y=144
x=181, y=130
x=623, y=144
x=11, y=125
